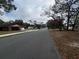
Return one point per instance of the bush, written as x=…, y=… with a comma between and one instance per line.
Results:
x=54, y=24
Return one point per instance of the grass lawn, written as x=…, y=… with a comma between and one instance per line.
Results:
x=67, y=43
x=7, y=32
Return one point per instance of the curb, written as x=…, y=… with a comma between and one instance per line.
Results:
x=6, y=35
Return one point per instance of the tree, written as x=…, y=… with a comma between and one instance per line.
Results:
x=50, y=24
x=19, y=22
x=65, y=7
x=26, y=25
x=1, y=22
x=7, y=5
x=55, y=24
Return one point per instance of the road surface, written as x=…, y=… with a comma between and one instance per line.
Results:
x=32, y=45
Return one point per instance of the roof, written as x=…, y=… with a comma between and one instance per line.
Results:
x=15, y=25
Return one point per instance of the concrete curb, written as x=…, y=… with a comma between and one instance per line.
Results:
x=6, y=35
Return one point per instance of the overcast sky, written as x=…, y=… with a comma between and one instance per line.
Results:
x=29, y=10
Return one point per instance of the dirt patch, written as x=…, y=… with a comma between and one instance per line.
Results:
x=67, y=43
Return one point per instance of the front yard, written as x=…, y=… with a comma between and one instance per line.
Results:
x=67, y=43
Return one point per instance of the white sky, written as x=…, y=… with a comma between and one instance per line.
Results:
x=29, y=10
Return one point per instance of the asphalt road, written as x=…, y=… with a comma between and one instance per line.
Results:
x=32, y=45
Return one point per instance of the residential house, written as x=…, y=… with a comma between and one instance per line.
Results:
x=10, y=27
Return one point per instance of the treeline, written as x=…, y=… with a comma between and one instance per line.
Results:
x=22, y=24
x=67, y=10
x=18, y=22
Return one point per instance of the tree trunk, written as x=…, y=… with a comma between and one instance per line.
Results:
x=74, y=23
x=68, y=22
x=68, y=18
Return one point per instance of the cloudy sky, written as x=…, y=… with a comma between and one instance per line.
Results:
x=29, y=10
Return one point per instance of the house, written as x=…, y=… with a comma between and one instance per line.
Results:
x=15, y=27
x=10, y=27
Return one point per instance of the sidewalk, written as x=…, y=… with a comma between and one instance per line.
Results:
x=10, y=34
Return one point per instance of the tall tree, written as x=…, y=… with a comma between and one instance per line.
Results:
x=68, y=7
